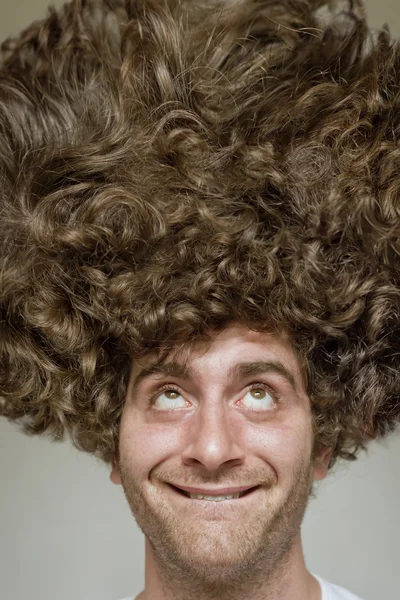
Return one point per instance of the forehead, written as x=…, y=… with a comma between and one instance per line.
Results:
x=228, y=344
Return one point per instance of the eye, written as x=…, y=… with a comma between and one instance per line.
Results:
x=172, y=396
x=259, y=397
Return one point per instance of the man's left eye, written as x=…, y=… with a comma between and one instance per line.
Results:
x=258, y=398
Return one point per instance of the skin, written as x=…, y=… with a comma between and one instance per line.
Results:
x=218, y=432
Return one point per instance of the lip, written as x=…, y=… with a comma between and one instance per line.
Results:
x=209, y=505
x=211, y=512
x=214, y=491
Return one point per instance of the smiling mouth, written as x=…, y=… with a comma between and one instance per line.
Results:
x=241, y=495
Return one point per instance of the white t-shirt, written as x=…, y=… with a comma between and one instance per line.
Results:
x=330, y=591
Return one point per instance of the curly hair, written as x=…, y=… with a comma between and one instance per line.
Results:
x=168, y=168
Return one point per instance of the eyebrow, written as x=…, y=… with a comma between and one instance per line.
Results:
x=242, y=369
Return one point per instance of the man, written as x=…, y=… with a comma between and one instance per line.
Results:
x=217, y=433
x=200, y=279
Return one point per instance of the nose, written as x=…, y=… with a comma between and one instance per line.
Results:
x=213, y=438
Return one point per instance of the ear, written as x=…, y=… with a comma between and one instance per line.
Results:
x=321, y=462
x=115, y=474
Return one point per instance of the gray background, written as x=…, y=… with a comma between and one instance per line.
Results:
x=66, y=532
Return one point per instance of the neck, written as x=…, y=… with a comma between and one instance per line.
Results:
x=287, y=580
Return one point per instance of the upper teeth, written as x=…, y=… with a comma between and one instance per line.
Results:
x=214, y=498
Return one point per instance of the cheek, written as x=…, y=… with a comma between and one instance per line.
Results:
x=143, y=446
x=285, y=446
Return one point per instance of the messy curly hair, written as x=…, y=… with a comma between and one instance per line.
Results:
x=170, y=167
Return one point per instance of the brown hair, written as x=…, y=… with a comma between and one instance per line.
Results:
x=168, y=168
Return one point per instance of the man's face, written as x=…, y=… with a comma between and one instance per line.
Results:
x=220, y=429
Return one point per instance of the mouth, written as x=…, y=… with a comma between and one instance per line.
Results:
x=217, y=498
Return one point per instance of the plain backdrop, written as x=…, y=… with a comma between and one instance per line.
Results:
x=66, y=532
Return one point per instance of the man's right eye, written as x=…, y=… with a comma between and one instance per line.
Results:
x=172, y=398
